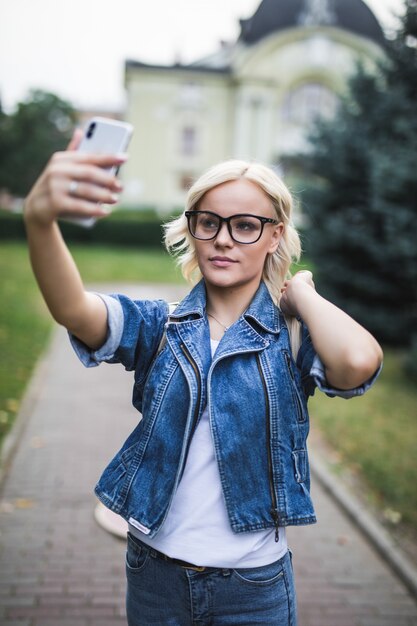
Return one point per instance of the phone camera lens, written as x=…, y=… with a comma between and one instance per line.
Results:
x=90, y=130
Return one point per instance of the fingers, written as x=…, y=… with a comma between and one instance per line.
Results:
x=76, y=139
x=92, y=193
x=94, y=170
x=74, y=207
x=291, y=290
x=103, y=161
x=91, y=174
x=306, y=276
x=79, y=190
x=72, y=196
x=285, y=305
x=74, y=184
x=65, y=174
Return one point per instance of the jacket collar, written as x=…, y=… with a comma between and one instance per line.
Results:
x=262, y=308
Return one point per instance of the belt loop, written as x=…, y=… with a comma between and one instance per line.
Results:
x=226, y=572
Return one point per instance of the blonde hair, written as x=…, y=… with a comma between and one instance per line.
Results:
x=276, y=270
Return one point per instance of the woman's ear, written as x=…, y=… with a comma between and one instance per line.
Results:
x=277, y=233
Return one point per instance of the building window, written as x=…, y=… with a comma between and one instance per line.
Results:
x=191, y=95
x=304, y=104
x=188, y=141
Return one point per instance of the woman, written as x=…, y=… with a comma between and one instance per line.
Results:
x=217, y=467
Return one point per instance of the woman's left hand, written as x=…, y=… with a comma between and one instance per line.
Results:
x=292, y=288
x=349, y=353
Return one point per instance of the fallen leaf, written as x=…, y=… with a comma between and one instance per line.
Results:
x=12, y=405
x=37, y=442
x=24, y=503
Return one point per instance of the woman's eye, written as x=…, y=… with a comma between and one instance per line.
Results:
x=245, y=225
x=208, y=223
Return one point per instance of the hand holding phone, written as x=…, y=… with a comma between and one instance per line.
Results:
x=101, y=136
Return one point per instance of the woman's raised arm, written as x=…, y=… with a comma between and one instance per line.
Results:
x=51, y=197
x=350, y=354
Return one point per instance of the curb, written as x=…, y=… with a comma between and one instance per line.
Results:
x=371, y=528
x=29, y=398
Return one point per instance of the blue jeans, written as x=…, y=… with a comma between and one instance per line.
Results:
x=166, y=594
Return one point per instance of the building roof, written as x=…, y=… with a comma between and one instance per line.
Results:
x=190, y=67
x=275, y=15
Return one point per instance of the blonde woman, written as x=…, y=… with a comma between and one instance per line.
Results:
x=217, y=467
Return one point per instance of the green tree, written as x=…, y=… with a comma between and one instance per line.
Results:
x=362, y=200
x=40, y=126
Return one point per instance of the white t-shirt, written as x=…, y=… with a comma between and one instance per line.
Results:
x=197, y=527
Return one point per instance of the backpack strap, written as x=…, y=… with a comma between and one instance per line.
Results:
x=171, y=308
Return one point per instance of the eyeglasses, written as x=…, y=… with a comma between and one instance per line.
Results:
x=243, y=228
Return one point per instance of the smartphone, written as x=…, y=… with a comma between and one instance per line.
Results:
x=103, y=136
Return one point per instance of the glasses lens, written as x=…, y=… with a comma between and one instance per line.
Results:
x=204, y=225
x=245, y=228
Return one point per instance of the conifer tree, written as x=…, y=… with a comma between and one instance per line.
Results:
x=362, y=201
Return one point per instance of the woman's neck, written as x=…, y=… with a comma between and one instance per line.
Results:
x=227, y=305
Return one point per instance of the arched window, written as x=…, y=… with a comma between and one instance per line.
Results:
x=307, y=102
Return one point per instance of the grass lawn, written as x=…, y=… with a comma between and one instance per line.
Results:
x=375, y=434
x=24, y=328
x=103, y=264
x=25, y=322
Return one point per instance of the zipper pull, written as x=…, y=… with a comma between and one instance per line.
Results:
x=275, y=517
x=288, y=360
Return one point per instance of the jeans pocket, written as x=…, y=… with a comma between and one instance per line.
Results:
x=136, y=555
x=264, y=575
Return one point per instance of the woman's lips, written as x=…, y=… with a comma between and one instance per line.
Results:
x=222, y=261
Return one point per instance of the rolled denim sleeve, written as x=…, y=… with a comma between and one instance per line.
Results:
x=115, y=324
x=135, y=329
x=318, y=374
x=313, y=373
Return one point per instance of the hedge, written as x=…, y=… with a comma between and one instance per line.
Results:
x=129, y=228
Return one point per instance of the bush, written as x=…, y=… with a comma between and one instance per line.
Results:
x=411, y=360
x=127, y=228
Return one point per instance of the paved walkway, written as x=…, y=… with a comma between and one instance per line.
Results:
x=59, y=568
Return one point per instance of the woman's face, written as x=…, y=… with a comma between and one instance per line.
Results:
x=222, y=261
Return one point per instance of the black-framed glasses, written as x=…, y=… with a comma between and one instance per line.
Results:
x=243, y=228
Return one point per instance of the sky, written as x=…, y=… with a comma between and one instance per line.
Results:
x=77, y=49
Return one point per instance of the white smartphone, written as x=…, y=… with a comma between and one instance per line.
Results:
x=103, y=136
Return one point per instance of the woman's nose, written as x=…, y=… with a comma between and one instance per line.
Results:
x=223, y=237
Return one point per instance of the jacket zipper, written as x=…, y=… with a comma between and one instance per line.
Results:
x=274, y=509
x=297, y=399
x=197, y=406
x=195, y=418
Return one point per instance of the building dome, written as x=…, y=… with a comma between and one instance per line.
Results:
x=275, y=15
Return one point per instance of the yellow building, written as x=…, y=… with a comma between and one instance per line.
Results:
x=253, y=99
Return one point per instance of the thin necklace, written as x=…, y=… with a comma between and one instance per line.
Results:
x=219, y=322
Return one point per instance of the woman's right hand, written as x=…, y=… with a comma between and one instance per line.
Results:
x=73, y=184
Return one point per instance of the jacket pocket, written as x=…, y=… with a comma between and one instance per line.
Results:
x=300, y=464
x=301, y=413
x=136, y=556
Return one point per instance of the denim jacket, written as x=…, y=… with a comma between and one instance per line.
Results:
x=257, y=398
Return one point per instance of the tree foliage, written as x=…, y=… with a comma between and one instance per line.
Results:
x=40, y=126
x=362, y=198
